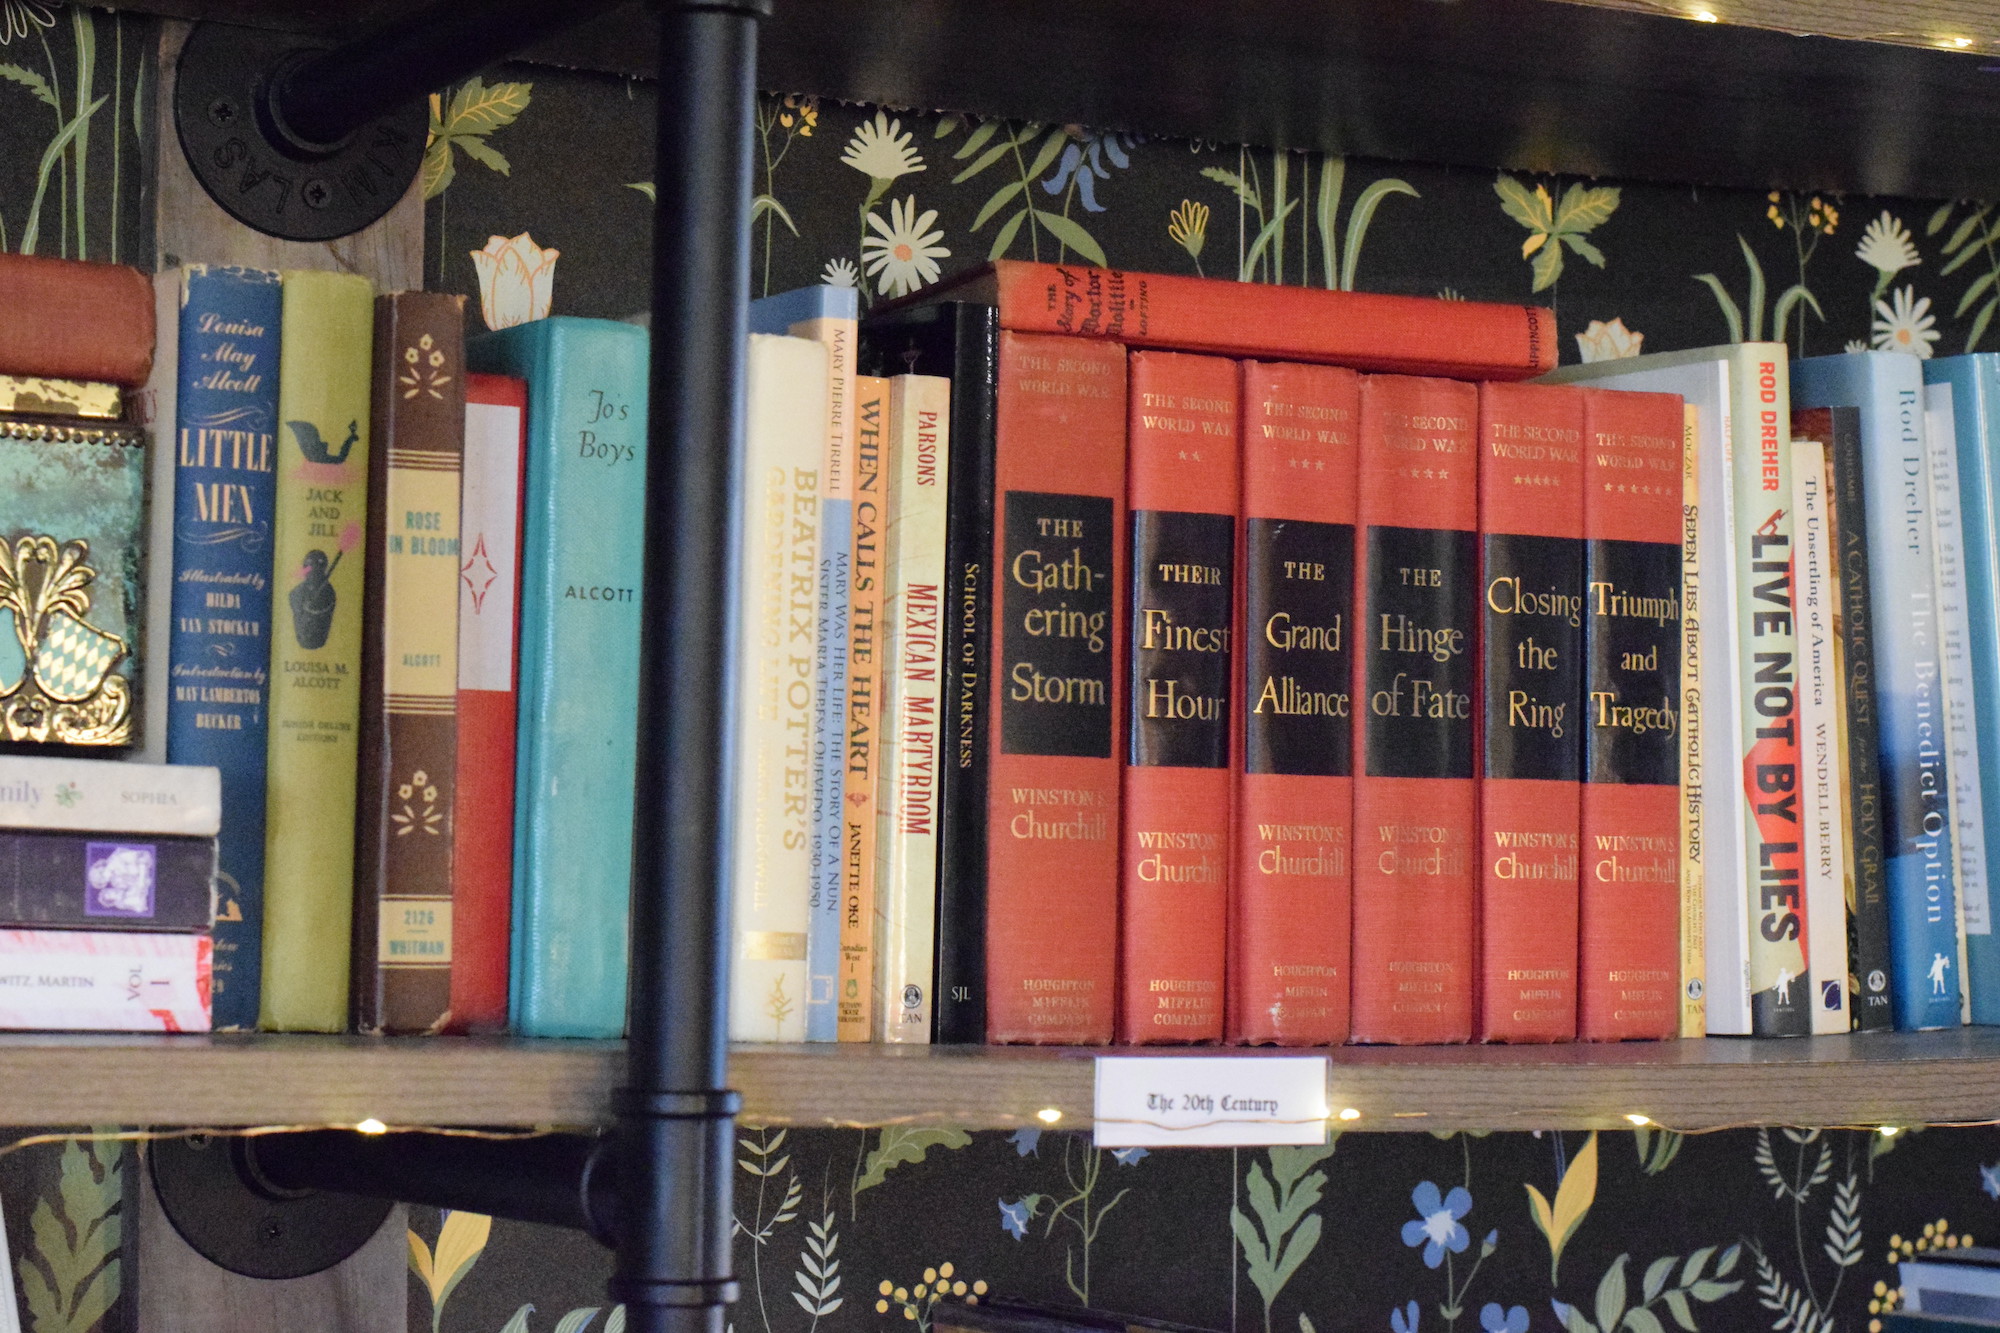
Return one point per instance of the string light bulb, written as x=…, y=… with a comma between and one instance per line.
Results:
x=1888, y=1131
x=1961, y=42
x=1704, y=16
x=1349, y=1113
x=1048, y=1115
x=1640, y=1120
x=371, y=1126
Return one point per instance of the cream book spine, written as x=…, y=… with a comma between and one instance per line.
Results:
x=906, y=845
x=771, y=722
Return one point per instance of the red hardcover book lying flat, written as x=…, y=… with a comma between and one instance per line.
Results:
x=1059, y=660
x=1630, y=962
x=1291, y=887
x=1415, y=589
x=1182, y=483
x=1408, y=335
x=70, y=320
x=1531, y=734
x=489, y=615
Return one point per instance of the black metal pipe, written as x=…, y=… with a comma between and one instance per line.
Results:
x=326, y=96
x=673, y=1269
x=561, y=1179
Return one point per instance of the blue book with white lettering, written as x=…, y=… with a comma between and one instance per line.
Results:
x=1974, y=385
x=577, y=748
x=219, y=651
x=1888, y=389
x=828, y=315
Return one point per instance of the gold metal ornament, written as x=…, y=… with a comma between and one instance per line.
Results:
x=57, y=683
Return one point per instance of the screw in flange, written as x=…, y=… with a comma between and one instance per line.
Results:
x=222, y=111
x=272, y=1232
x=197, y=1141
x=317, y=194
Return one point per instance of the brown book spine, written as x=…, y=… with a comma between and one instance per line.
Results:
x=1182, y=485
x=1059, y=662
x=1630, y=964
x=1415, y=588
x=1530, y=731
x=1291, y=893
x=70, y=320
x=409, y=673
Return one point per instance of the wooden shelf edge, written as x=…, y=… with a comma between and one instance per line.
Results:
x=1892, y=1079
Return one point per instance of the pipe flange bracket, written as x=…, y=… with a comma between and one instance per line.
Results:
x=715, y=1105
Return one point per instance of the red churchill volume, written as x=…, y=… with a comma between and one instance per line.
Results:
x=1530, y=731
x=1630, y=961
x=1181, y=485
x=1415, y=588
x=1293, y=874
x=1059, y=661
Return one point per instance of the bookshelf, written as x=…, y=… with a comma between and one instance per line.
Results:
x=1644, y=92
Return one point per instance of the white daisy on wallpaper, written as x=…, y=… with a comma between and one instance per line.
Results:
x=1886, y=246
x=902, y=255
x=20, y=18
x=1608, y=341
x=881, y=149
x=840, y=273
x=1905, y=326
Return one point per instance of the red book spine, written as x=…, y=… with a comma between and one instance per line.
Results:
x=1292, y=886
x=1182, y=485
x=1405, y=335
x=1531, y=734
x=1058, y=664
x=1414, y=677
x=70, y=320
x=1630, y=960
x=489, y=616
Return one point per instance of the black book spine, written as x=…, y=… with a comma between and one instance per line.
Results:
x=960, y=341
x=1868, y=903
x=106, y=881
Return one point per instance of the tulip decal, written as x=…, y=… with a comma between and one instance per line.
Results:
x=516, y=280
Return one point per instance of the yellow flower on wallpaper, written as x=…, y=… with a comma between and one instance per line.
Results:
x=460, y=1241
x=1610, y=341
x=516, y=280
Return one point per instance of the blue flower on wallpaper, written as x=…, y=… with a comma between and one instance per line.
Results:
x=1129, y=1156
x=1027, y=1142
x=1084, y=163
x=1014, y=1217
x=1989, y=1180
x=1493, y=1319
x=1404, y=1320
x=1436, y=1227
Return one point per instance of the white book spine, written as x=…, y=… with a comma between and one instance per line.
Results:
x=104, y=981
x=1968, y=844
x=1821, y=775
x=107, y=796
x=913, y=606
x=1695, y=592
x=771, y=709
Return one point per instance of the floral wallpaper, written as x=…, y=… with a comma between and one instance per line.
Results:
x=538, y=184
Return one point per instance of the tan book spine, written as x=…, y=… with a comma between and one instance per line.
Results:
x=409, y=725
x=855, y=1014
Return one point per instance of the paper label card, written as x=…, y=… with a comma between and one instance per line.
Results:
x=1242, y=1101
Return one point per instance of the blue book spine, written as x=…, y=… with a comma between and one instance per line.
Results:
x=219, y=651
x=818, y=312
x=1974, y=382
x=1888, y=388
x=581, y=554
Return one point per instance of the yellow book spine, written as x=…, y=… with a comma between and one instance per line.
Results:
x=315, y=695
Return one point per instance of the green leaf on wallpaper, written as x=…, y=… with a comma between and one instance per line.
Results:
x=1052, y=147
x=765, y=203
x=1656, y=1278
x=1972, y=293
x=1007, y=235
x=987, y=159
x=947, y=124
x=645, y=188
x=1757, y=289
x=1677, y=1306
x=1236, y=183
x=439, y=169
x=31, y=234
x=519, y=1323
x=1554, y=225
x=1964, y=229
x=1792, y=296
x=1610, y=1304
x=1071, y=234
x=1939, y=218
x=1263, y=241
x=475, y=111
x=976, y=140
x=1641, y=1320
x=32, y=81
x=576, y=1320
x=1731, y=316
x=72, y=1274
x=896, y=1147
x=1972, y=338
x=486, y=155
x=1359, y=219
x=1000, y=199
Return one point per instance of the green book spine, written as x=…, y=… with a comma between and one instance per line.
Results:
x=317, y=552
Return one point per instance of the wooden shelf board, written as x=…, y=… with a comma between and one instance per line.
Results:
x=1900, y=1079
x=1627, y=88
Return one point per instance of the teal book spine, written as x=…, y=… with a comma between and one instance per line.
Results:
x=579, y=655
